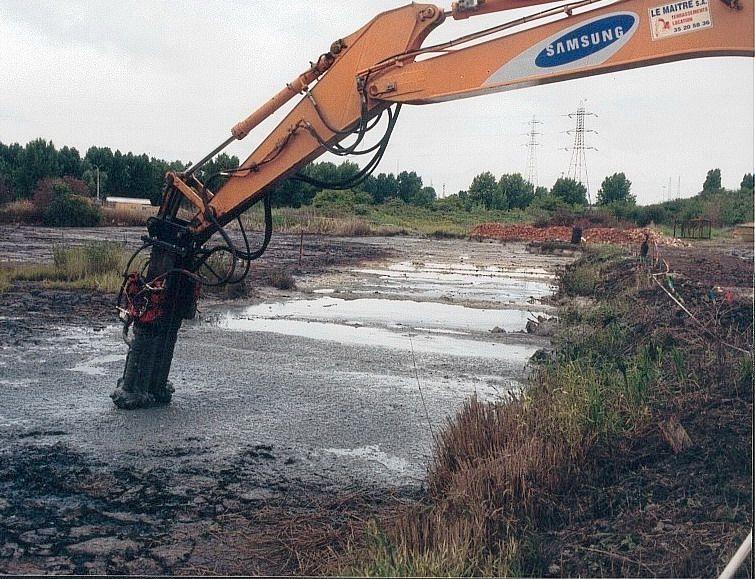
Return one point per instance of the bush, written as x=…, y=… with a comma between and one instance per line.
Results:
x=653, y=214
x=580, y=280
x=330, y=198
x=49, y=188
x=67, y=210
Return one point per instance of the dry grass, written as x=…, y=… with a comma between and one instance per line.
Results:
x=290, y=220
x=97, y=266
x=282, y=279
x=30, y=213
x=20, y=212
x=124, y=217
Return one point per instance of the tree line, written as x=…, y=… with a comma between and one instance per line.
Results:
x=22, y=168
x=29, y=168
x=129, y=175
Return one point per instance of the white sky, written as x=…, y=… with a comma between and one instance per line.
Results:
x=171, y=78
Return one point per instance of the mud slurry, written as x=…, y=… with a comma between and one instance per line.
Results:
x=281, y=403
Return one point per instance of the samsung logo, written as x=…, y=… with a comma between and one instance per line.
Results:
x=586, y=40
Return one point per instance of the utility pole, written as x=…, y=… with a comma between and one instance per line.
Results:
x=578, y=164
x=532, y=145
x=98, y=182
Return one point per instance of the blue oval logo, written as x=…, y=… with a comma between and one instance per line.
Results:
x=585, y=40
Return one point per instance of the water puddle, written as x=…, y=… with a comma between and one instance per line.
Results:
x=372, y=453
x=380, y=337
x=460, y=281
x=485, y=387
x=391, y=314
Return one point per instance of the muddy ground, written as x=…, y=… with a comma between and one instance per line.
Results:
x=296, y=412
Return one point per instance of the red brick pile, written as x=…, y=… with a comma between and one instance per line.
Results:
x=519, y=232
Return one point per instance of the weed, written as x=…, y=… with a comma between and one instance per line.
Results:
x=281, y=279
x=412, y=550
x=580, y=280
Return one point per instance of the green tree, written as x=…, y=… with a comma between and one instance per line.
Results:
x=70, y=162
x=712, y=181
x=570, y=191
x=39, y=160
x=425, y=197
x=616, y=188
x=483, y=190
x=346, y=170
x=10, y=165
x=101, y=157
x=409, y=184
x=383, y=188
x=90, y=178
x=118, y=176
x=518, y=192
x=748, y=181
x=142, y=181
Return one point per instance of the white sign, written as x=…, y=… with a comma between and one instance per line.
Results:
x=679, y=18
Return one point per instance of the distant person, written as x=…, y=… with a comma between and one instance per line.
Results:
x=645, y=247
x=576, y=235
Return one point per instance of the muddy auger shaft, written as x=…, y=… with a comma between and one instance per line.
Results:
x=154, y=311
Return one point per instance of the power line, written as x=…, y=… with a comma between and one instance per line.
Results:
x=532, y=145
x=578, y=163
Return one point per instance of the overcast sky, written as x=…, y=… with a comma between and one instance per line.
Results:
x=171, y=78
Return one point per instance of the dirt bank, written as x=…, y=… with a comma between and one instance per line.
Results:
x=629, y=455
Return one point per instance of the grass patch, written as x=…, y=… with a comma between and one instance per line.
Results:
x=392, y=218
x=97, y=266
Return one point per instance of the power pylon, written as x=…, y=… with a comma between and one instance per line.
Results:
x=532, y=145
x=578, y=164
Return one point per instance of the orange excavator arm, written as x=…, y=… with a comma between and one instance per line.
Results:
x=373, y=72
x=376, y=66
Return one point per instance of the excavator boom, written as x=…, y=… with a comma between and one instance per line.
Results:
x=368, y=74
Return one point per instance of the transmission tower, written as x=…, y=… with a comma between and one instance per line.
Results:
x=532, y=145
x=578, y=164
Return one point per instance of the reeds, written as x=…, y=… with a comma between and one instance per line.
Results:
x=97, y=265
